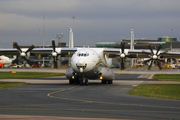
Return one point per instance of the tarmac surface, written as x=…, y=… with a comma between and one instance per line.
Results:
x=53, y=98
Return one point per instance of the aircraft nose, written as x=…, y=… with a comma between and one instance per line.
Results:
x=81, y=65
x=81, y=62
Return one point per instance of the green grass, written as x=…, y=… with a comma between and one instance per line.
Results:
x=158, y=91
x=170, y=91
x=167, y=77
x=23, y=75
x=4, y=85
x=26, y=75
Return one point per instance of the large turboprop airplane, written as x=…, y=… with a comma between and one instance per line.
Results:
x=91, y=63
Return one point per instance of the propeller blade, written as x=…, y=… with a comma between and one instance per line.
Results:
x=149, y=45
x=53, y=45
x=122, y=64
x=55, y=62
x=158, y=62
x=160, y=46
x=29, y=62
x=122, y=47
x=15, y=61
x=30, y=48
x=17, y=47
x=150, y=65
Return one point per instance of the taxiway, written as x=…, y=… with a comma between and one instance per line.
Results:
x=54, y=97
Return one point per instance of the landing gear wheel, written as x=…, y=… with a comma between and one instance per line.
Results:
x=81, y=82
x=104, y=81
x=77, y=81
x=86, y=82
x=110, y=81
x=71, y=81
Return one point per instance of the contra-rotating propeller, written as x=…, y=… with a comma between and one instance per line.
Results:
x=22, y=53
x=154, y=57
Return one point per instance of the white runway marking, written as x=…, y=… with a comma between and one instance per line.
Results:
x=144, y=76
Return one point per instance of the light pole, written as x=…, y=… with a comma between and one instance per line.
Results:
x=73, y=20
x=171, y=38
x=39, y=37
x=87, y=39
x=43, y=30
x=59, y=36
x=43, y=35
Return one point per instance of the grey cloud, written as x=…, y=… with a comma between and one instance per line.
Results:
x=109, y=19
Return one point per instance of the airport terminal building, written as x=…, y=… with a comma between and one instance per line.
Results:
x=167, y=43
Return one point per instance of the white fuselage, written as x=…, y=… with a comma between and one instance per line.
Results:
x=5, y=60
x=87, y=59
x=89, y=62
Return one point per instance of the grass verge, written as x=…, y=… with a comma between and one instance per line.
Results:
x=167, y=77
x=158, y=91
x=4, y=85
x=26, y=75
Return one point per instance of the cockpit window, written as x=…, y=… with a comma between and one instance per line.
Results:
x=83, y=54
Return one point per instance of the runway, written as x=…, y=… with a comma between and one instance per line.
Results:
x=57, y=99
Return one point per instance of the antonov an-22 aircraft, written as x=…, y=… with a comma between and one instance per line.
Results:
x=90, y=63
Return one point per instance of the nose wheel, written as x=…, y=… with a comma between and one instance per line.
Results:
x=83, y=81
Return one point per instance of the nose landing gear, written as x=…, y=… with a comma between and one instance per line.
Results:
x=83, y=81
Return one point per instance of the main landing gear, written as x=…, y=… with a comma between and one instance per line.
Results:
x=73, y=81
x=81, y=81
x=107, y=81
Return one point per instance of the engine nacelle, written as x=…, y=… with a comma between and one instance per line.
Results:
x=70, y=74
x=106, y=74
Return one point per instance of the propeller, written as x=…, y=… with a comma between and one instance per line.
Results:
x=154, y=57
x=54, y=54
x=123, y=56
x=23, y=54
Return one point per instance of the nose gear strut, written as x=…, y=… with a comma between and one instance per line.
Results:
x=83, y=81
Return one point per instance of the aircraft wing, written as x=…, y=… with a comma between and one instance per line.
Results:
x=146, y=53
x=48, y=51
x=37, y=51
x=115, y=52
x=111, y=52
x=9, y=51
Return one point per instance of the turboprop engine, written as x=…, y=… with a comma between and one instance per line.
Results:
x=73, y=77
x=106, y=74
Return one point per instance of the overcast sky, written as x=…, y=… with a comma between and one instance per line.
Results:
x=97, y=20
